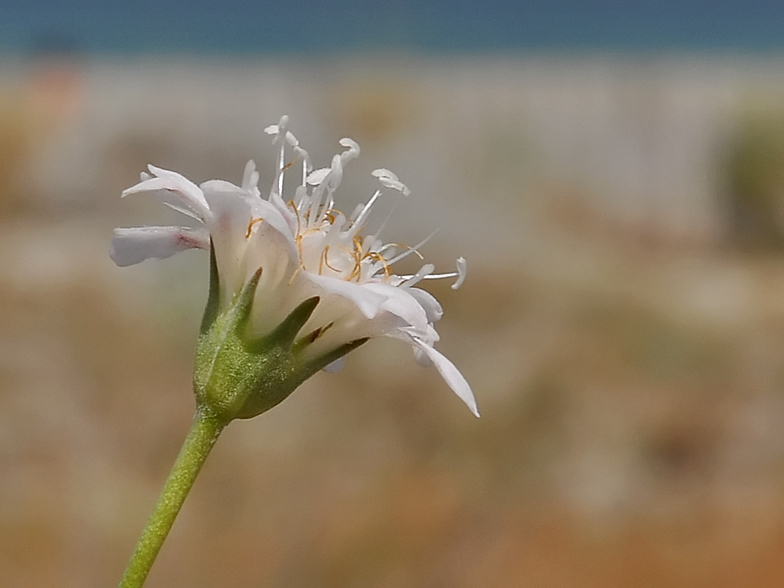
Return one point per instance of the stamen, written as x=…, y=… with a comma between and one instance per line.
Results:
x=379, y=258
x=325, y=261
x=294, y=275
x=289, y=164
x=424, y=271
x=356, y=212
x=330, y=182
x=301, y=198
x=365, y=211
x=305, y=166
x=460, y=274
x=298, y=241
x=462, y=269
x=280, y=135
x=414, y=249
x=440, y=276
x=358, y=250
x=328, y=205
x=299, y=221
x=336, y=222
x=281, y=167
x=408, y=248
x=250, y=177
x=252, y=222
x=389, y=215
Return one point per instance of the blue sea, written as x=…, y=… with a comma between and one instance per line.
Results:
x=248, y=27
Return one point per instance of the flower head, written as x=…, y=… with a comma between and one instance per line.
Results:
x=297, y=276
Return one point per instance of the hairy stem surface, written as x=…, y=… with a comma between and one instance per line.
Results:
x=197, y=446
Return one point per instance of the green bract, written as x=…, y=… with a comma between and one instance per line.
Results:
x=237, y=375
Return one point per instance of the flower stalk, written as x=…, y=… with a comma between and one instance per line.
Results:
x=205, y=430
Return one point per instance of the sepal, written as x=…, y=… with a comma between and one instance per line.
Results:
x=213, y=298
x=237, y=375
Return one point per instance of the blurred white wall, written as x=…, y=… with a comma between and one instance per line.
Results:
x=635, y=141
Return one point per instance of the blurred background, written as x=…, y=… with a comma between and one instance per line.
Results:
x=612, y=171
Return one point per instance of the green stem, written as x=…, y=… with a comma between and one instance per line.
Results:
x=202, y=436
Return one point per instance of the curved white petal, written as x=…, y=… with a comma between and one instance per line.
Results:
x=367, y=301
x=268, y=249
x=422, y=358
x=451, y=375
x=428, y=302
x=282, y=217
x=179, y=192
x=216, y=192
x=401, y=304
x=228, y=227
x=134, y=245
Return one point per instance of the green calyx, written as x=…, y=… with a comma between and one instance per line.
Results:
x=239, y=376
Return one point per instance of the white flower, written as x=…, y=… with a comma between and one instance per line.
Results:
x=305, y=248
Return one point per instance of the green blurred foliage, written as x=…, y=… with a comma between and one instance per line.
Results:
x=754, y=172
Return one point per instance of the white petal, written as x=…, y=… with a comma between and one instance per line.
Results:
x=178, y=192
x=283, y=213
x=367, y=301
x=451, y=375
x=271, y=244
x=432, y=307
x=183, y=185
x=273, y=211
x=401, y=304
x=159, y=189
x=231, y=218
x=422, y=358
x=131, y=246
x=216, y=191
